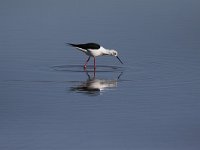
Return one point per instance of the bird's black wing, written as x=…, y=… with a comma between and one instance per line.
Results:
x=86, y=46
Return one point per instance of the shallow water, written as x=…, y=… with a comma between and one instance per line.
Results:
x=48, y=101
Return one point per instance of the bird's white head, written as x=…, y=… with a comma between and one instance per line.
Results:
x=115, y=53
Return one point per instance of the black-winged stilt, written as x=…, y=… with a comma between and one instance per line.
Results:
x=94, y=50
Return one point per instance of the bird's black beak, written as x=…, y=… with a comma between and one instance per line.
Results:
x=119, y=59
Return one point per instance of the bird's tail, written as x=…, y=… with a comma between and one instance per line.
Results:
x=74, y=45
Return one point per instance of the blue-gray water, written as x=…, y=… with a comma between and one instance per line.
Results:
x=48, y=102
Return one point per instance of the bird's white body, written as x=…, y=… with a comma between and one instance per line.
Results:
x=94, y=53
x=100, y=52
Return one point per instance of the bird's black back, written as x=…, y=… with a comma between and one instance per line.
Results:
x=86, y=46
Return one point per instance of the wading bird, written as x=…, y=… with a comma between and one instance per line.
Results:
x=94, y=50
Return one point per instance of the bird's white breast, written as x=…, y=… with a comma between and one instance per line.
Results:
x=96, y=52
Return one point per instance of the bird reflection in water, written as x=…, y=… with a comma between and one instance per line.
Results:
x=94, y=86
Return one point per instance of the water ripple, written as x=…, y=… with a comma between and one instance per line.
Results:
x=79, y=68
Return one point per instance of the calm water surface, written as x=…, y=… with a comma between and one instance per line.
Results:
x=47, y=100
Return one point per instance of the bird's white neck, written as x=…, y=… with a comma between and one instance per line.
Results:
x=106, y=51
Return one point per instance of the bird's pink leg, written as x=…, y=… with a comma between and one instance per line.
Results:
x=94, y=63
x=85, y=65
